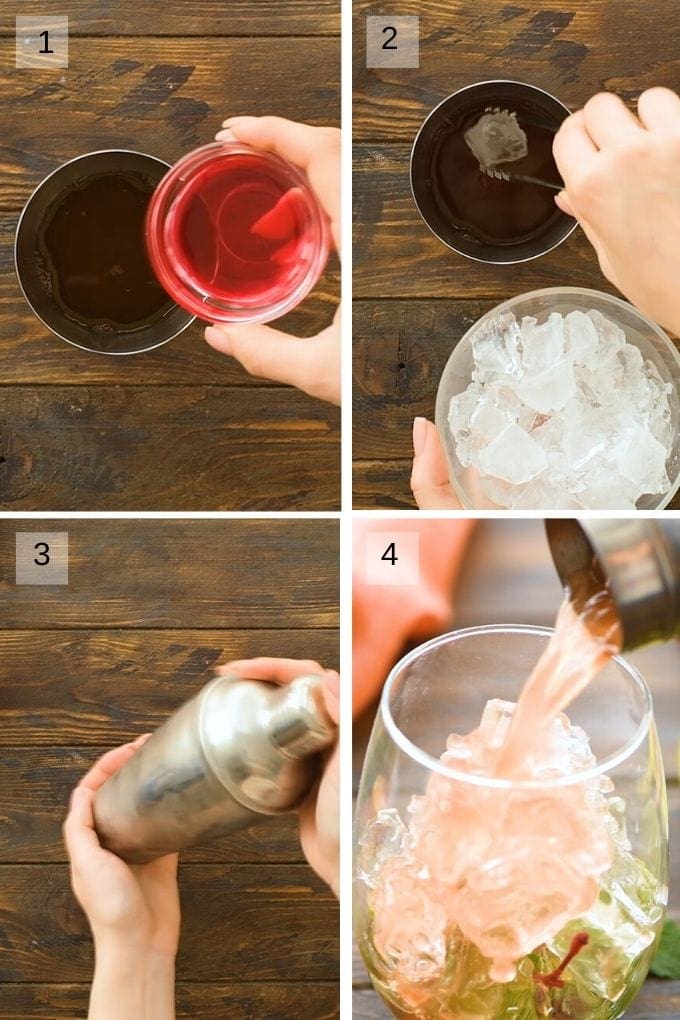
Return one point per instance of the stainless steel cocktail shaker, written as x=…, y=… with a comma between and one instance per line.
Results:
x=640, y=561
x=237, y=752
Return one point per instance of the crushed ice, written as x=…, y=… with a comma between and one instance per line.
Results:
x=496, y=138
x=563, y=414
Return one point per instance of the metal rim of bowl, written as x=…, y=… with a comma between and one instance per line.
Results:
x=38, y=187
x=458, y=92
x=541, y=293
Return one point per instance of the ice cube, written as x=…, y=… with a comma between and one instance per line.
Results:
x=550, y=389
x=496, y=138
x=581, y=336
x=383, y=838
x=542, y=345
x=641, y=459
x=496, y=351
x=513, y=456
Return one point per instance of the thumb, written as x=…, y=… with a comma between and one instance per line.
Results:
x=430, y=475
x=270, y=354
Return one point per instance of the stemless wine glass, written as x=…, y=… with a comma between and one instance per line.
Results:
x=427, y=928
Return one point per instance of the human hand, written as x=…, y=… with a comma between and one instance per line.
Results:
x=622, y=183
x=320, y=813
x=430, y=473
x=128, y=906
x=311, y=364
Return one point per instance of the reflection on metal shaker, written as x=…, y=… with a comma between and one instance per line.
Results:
x=237, y=752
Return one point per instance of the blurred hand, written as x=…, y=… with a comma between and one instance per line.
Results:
x=622, y=183
x=320, y=813
x=131, y=906
x=430, y=474
x=311, y=364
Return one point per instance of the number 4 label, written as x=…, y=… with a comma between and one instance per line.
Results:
x=392, y=557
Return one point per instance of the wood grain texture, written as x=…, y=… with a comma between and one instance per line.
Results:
x=396, y=256
x=31, y=355
x=84, y=687
x=35, y=784
x=167, y=448
x=260, y=930
x=399, y=352
x=239, y=1001
x=241, y=445
x=127, y=573
x=570, y=49
x=269, y=923
x=163, y=96
x=194, y=18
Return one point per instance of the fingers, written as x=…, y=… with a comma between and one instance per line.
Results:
x=659, y=108
x=573, y=148
x=430, y=475
x=311, y=364
x=110, y=763
x=315, y=150
x=264, y=667
x=608, y=120
x=80, y=838
x=332, y=695
x=562, y=201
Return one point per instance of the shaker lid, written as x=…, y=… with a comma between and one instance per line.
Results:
x=299, y=723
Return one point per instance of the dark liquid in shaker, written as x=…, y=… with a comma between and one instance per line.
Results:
x=493, y=211
x=92, y=243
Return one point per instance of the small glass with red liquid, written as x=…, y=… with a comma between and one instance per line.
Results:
x=235, y=234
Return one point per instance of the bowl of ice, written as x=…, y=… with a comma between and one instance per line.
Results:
x=562, y=399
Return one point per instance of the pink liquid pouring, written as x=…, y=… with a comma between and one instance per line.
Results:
x=505, y=867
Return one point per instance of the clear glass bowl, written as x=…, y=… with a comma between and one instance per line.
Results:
x=640, y=331
x=419, y=960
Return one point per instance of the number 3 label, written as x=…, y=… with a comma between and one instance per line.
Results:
x=41, y=557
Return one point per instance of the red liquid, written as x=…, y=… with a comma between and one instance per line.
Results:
x=239, y=232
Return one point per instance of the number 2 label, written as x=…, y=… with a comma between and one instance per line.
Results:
x=387, y=45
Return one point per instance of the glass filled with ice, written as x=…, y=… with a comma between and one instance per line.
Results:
x=562, y=399
x=516, y=892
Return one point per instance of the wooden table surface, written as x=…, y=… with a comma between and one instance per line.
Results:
x=508, y=577
x=151, y=607
x=413, y=298
x=181, y=427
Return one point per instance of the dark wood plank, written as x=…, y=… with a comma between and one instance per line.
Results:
x=199, y=17
x=103, y=687
x=35, y=785
x=396, y=256
x=202, y=574
x=30, y=354
x=571, y=49
x=160, y=95
x=167, y=448
x=286, y=1001
x=271, y=923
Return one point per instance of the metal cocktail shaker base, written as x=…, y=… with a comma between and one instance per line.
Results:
x=237, y=752
x=639, y=559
